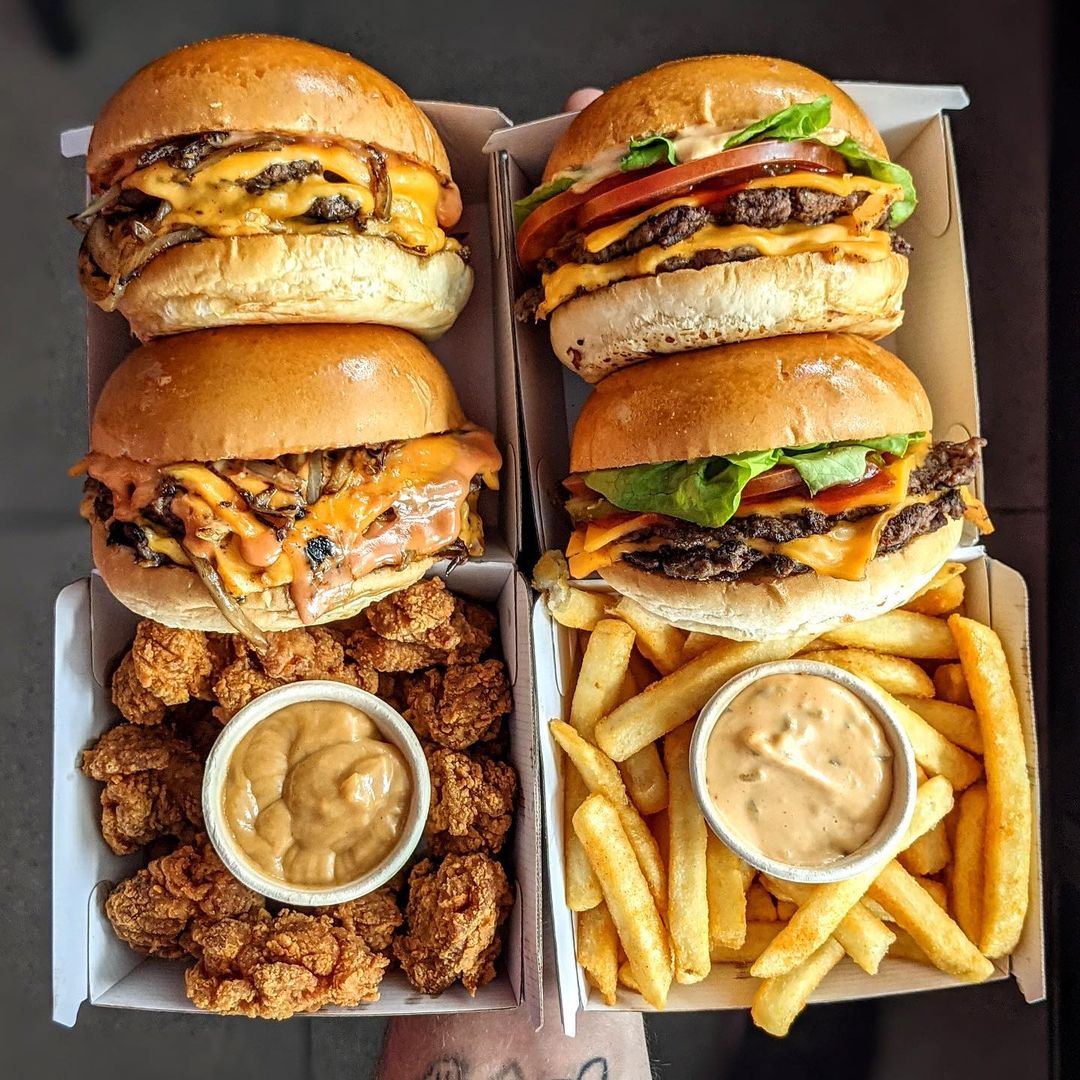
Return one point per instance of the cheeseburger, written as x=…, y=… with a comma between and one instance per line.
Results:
x=261, y=479
x=261, y=179
x=767, y=488
x=709, y=201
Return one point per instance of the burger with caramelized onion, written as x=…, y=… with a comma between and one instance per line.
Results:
x=710, y=201
x=257, y=179
x=263, y=479
x=767, y=488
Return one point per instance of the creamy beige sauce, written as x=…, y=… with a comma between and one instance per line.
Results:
x=799, y=769
x=315, y=796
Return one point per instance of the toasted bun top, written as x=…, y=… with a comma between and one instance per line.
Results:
x=725, y=92
x=757, y=395
x=257, y=83
x=260, y=391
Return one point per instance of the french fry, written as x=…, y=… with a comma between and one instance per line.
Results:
x=757, y=938
x=785, y=909
x=928, y=854
x=575, y=608
x=726, y=894
x=760, y=906
x=901, y=633
x=780, y=999
x=643, y=672
x=626, y=977
x=688, y=903
x=598, y=950
x=1008, y=790
x=945, y=574
x=957, y=723
x=942, y=600
x=904, y=948
x=661, y=831
x=935, y=890
x=826, y=907
x=629, y=900
x=696, y=643
x=865, y=938
x=933, y=751
x=950, y=684
x=892, y=673
x=582, y=888
x=645, y=780
x=934, y=932
x=599, y=684
x=967, y=875
x=601, y=775
x=657, y=640
x=748, y=874
x=678, y=697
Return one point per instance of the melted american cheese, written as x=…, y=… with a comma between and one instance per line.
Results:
x=215, y=200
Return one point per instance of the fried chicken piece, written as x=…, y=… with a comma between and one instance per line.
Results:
x=472, y=802
x=421, y=613
x=153, y=909
x=374, y=918
x=136, y=704
x=238, y=684
x=153, y=785
x=458, y=707
x=453, y=917
x=313, y=653
x=275, y=966
x=173, y=665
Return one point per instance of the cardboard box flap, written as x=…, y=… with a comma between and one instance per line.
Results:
x=899, y=110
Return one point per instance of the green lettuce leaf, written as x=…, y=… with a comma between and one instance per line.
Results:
x=646, y=151
x=708, y=491
x=524, y=207
x=865, y=164
x=795, y=122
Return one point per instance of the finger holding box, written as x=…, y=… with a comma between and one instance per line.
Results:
x=901, y=633
x=599, y=684
x=598, y=950
x=950, y=684
x=934, y=932
x=657, y=640
x=626, y=892
x=688, y=902
x=1008, y=790
x=967, y=876
x=726, y=894
x=779, y=1000
x=957, y=723
x=891, y=673
x=826, y=907
x=582, y=888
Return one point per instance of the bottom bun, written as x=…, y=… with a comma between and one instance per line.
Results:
x=605, y=330
x=769, y=607
x=175, y=596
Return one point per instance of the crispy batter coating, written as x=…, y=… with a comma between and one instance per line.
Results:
x=153, y=785
x=275, y=966
x=374, y=918
x=472, y=802
x=154, y=908
x=136, y=704
x=458, y=707
x=419, y=613
x=173, y=665
x=453, y=916
x=304, y=653
x=239, y=683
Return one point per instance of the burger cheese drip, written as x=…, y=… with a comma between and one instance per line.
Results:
x=313, y=522
x=227, y=185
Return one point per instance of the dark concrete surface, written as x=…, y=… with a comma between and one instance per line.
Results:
x=61, y=58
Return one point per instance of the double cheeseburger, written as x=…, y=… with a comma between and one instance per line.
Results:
x=261, y=179
x=767, y=488
x=710, y=201
x=261, y=479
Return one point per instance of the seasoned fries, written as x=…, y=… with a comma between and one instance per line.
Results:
x=696, y=643
x=600, y=681
x=892, y=673
x=943, y=594
x=645, y=780
x=901, y=633
x=626, y=893
x=957, y=723
x=726, y=892
x=658, y=641
x=755, y=942
x=780, y=999
x=582, y=888
x=929, y=854
x=967, y=878
x=1008, y=791
x=760, y=906
x=950, y=684
x=598, y=950
x=688, y=904
x=574, y=608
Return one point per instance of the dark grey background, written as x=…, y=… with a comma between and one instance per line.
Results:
x=61, y=59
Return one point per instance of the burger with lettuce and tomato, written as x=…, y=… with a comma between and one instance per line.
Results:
x=767, y=488
x=709, y=201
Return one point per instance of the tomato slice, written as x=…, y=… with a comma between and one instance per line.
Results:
x=770, y=484
x=836, y=499
x=619, y=196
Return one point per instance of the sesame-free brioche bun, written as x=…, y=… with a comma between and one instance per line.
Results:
x=629, y=321
x=756, y=395
x=257, y=392
x=724, y=92
x=259, y=83
x=757, y=608
x=174, y=595
x=296, y=278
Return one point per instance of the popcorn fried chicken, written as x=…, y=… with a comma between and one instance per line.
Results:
x=137, y=705
x=453, y=917
x=153, y=909
x=303, y=653
x=374, y=918
x=472, y=802
x=458, y=707
x=153, y=785
x=420, y=613
x=275, y=966
x=173, y=665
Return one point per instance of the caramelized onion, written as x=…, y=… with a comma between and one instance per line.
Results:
x=83, y=219
x=314, y=477
x=226, y=603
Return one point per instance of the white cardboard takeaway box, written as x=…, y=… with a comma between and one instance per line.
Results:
x=89, y=963
x=935, y=340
